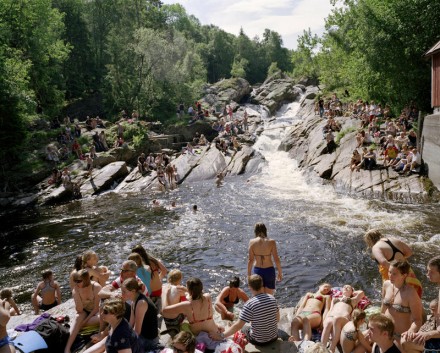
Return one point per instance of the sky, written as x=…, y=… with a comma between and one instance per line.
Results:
x=287, y=17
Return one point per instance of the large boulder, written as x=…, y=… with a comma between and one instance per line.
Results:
x=104, y=178
x=225, y=91
x=276, y=92
x=209, y=166
x=240, y=160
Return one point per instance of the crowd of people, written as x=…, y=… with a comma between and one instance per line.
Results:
x=380, y=136
x=129, y=310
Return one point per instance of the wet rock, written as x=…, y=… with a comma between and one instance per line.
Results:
x=225, y=91
x=240, y=160
x=274, y=93
x=209, y=166
x=102, y=159
x=104, y=178
x=57, y=195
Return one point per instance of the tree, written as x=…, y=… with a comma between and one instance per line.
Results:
x=36, y=28
x=239, y=67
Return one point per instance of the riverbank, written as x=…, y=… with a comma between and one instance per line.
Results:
x=68, y=308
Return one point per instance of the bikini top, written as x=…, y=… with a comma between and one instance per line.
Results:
x=399, y=308
x=194, y=320
x=261, y=256
x=343, y=299
x=395, y=250
x=226, y=299
x=47, y=288
x=317, y=297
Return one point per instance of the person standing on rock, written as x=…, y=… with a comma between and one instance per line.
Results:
x=262, y=255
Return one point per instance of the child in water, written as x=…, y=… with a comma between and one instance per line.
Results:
x=47, y=295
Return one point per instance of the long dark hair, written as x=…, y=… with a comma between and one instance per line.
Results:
x=147, y=259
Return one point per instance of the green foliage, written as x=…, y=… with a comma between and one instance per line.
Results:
x=374, y=48
x=304, y=59
x=239, y=67
x=342, y=133
x=140, y=139
x=273, y=68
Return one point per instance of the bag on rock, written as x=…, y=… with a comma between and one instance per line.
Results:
x=54, y=333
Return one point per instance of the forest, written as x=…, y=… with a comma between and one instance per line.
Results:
x=146, y=56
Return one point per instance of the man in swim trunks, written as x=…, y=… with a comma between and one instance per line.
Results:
x=261, y=312
x=381, y=332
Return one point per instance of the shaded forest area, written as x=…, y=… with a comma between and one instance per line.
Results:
x=146, y=56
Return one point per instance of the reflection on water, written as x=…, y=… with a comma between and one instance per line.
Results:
x=319, y=233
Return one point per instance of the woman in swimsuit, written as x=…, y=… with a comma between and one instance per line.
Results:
x=308, y=315
x=339, y=314
x=198, y=309
x=229, y=296
x=352, y=339
x=85, y=296
x=158, y=271
x=47, y=295
x=385, y=250
x=400, y=302
x=261, y=251
x=143, y=317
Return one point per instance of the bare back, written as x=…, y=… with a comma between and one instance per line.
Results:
x=261, y=251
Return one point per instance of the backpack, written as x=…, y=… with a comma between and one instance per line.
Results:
x=54, y=333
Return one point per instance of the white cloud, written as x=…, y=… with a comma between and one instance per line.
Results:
x=287, y=17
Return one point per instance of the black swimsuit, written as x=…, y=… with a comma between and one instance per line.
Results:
x=393, y=247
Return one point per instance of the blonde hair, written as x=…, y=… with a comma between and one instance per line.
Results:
x=372, y=237
x=318, y=347
x=136, y=258
x=174, y=276
x=87, y=256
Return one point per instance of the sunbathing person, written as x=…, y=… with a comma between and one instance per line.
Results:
x=339, y=314
x=352, y=339
x=309, y=314
x=85, y=295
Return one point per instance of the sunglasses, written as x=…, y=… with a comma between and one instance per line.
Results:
x=122, y=270
x=78, y=280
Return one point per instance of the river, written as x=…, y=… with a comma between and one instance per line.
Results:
x=319, y=232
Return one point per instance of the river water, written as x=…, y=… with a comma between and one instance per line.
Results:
x=319, y=233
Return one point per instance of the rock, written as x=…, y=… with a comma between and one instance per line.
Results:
x=102, y=159
x=104, y=178
x=225, y=91
x=127, y=154
x=305, y=143
x=59, y=194
x=209, y=166
x=276, y=92
x=240, y=160
x=136, y=182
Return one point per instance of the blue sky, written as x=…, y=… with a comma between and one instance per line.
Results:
x=287, y=17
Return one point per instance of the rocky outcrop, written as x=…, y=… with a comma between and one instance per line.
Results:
x=225, y=91
x=306, y=144
x=68, y=309
x=104, y=178
x=276, y=91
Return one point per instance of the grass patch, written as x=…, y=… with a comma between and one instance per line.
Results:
x=344, y=132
